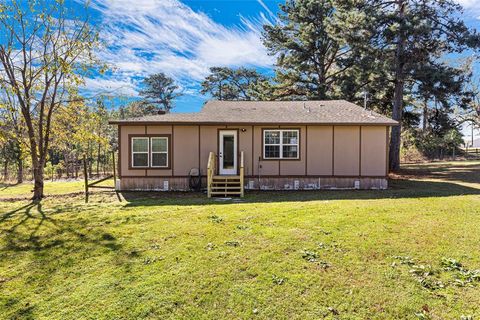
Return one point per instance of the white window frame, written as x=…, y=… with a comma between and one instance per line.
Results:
x=165, y=152
x=281, y=144
x=141, y=152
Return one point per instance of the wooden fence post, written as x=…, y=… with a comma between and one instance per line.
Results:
x=85, y=175
x=114, y=171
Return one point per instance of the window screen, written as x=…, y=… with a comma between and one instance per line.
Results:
x=280, y=144
x=159, y=152
x=139, y=152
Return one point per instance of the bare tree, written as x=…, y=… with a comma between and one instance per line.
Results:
x=44, y=53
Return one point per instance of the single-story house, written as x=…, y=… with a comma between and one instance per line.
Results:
x=268, y=145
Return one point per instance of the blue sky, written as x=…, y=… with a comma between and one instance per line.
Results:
x=183, y=38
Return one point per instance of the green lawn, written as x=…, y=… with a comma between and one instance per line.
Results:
x=286, y=255
x=24, y=190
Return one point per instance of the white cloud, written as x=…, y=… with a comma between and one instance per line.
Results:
x=270, y=13
x=469, y=3
x=123, y=87
x=149, y=36
x=470, y=6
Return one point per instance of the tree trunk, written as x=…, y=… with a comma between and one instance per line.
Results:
x=98, y=159
x=76, y=166
x=20, y=170
x=90, y=170
x=321, y=89
x=397, y=111
x=5, y=170
x=67, y=164
x=104, y=162
x=89, y=156
x=38, y=177
x=425, y=116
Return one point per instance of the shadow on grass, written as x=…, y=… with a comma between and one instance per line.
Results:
x=458, y=171
x=42, y=245
x=4, y=185
x=398, y=189
x=29, y=228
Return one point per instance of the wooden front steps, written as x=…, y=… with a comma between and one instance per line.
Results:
x=226, y=186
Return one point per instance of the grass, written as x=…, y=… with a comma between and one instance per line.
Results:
x=298, y=255
x=24, y=190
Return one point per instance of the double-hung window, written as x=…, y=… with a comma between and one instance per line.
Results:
x=150, y=152
x=280, y=144
x=159, y=153
x=140, y=147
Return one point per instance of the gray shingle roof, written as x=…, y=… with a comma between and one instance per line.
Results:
x=270, y=112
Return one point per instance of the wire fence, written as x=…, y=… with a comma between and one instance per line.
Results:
x=62, y=171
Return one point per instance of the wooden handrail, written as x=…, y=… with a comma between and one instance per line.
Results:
x=211, y=168
x=242, y=169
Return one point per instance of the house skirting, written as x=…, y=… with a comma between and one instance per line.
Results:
x=256, y=183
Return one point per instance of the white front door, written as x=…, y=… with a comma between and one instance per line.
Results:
x=227, y=153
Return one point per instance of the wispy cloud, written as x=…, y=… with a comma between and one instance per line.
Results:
x=469, y=3
x=148, y=36
x=124, y=87
x=471, y=6
x=270, y=13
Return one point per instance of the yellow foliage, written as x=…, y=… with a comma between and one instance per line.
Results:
x=78, y=126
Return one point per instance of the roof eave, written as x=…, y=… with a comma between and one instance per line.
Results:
x=391, y=123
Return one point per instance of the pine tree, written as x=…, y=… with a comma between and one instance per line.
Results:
x=225, y=83
x=315, y=43
x=159, y=93
x=410, y=33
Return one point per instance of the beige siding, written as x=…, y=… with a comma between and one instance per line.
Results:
x=374, y=151
x=185, y=149
x=125, y=156
x=295, y=167
x=245, y=145
x=159, y=129
x=263, y=167
x=208, y=143
x=320, y=149
x=162, y=130
x=346, y=150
